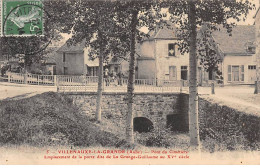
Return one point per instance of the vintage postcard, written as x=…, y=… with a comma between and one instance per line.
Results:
x=129, y=82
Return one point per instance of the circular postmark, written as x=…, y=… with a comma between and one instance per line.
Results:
x=23, y=26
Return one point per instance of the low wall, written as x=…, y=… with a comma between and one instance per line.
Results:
x=153, y=106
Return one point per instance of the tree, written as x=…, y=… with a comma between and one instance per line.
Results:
x=136, y=14
x=96, y=24
x=210, y=56
x=189, y=15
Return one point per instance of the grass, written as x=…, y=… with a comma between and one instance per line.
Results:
x=50, y=119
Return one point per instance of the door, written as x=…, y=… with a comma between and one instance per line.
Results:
x=235, y=73
x=251, y=74
x=172, y=73
x=184, y=72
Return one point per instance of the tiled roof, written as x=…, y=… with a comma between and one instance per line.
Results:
x=162, y=33
x=237, y=43
x=79, y=47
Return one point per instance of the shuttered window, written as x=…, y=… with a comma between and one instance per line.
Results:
x=236, y=73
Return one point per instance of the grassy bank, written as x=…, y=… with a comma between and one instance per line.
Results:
x=50, y=119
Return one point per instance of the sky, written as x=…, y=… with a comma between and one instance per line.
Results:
x=250, y=20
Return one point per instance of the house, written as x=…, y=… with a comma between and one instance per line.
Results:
x=74, y=60
x=239, y=62
x=159, y=57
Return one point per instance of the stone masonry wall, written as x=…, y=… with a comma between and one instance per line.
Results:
x=153, y=106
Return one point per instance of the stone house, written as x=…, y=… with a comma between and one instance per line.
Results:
x=74, y=60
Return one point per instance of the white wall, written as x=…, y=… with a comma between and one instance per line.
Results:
x=238, y=60
x=163, y=61
x=147, y=49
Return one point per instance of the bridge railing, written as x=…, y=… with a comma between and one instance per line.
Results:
x=68, y=83
x=32, y=79
x=90, y=84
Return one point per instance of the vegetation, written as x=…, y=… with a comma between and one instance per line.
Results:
x=50, y=119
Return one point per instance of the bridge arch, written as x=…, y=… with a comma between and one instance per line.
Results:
x=143, y=124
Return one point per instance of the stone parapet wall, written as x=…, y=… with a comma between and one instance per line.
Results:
x=153, y=106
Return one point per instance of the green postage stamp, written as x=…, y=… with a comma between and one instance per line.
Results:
x=21, y=17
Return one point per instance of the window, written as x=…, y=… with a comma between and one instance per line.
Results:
x=64, y=57
x=171, y=50
x=92, y=71
x=251, y=67
x=172, y=73
x=236, y=73
x=184, y=72
x=251, y=49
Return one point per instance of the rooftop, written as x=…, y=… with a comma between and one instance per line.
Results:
x=242, y=35
x=79, y=47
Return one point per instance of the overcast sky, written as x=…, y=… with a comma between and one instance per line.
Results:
x=250, y=20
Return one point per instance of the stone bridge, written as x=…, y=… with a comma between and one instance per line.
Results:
x=151, y=110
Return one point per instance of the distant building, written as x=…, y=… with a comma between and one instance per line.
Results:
x=159, y=57
x=74, y=60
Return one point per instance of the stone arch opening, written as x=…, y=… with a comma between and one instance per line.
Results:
x=177, y=122
x=142, y=124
